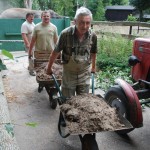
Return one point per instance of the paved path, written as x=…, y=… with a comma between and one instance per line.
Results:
x=27, y=106
x=7, y=138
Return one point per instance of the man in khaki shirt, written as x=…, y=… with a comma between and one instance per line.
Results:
x=44, y=35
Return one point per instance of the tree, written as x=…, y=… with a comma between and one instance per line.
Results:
x=100, y=12
x=119, y=2
x=28, y=4
x=62, y=7
x=16, y=3
x=141, y=5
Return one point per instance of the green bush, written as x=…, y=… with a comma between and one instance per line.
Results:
x=112, y=60
x=131, y=18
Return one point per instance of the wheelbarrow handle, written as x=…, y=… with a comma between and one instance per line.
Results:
x=62, y=98
x=61, y=118
x=56, y=84
x=92, y=83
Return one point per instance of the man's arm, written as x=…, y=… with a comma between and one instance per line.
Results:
x=52, y=58
x=25, y=39
x=93, y=60
x=55, y=37
x=31, y=46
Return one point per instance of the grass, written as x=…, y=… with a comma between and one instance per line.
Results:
x=112, y=60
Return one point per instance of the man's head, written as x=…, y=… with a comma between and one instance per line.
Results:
x=45, y=17
x=30, y=17
x=83, y=19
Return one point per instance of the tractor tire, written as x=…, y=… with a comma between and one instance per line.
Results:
x=89, y=142
x=116, y=97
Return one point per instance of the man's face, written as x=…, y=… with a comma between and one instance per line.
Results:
x=83, y=24
x=46, y=17
x=30, y=18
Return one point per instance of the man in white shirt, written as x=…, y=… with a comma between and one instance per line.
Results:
x=26, y=31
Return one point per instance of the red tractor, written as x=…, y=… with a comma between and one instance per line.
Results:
x=128, y=98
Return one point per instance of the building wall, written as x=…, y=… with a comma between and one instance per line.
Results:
x=117, y=15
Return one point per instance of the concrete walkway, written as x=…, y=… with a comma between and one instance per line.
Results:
x=7, y=139
x=30, y=106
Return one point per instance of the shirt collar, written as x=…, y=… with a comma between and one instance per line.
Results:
x=88, y=34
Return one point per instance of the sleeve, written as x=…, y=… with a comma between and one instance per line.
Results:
x=60, y=43
x=94, y=43
x=34, y=32
x=24, y=29
x=56, y=34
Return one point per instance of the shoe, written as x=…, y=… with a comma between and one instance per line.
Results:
x=32, y=73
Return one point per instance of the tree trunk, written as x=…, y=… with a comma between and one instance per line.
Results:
x=141, y=16
x=28, y=4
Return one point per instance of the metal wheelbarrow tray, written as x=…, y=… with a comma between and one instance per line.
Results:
x=91, y=116
x=87, y=136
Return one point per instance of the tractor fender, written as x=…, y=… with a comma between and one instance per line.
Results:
x=134, y=105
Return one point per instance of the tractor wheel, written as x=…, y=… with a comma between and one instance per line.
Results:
x=89, y=142
x=53, y=102
x=115, y=97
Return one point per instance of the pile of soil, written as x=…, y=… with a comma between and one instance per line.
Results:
x=88, y=113
x=41, y=72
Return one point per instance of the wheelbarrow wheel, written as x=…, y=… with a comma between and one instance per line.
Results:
x=53, y=102
x=115, y=97
x=89, y=142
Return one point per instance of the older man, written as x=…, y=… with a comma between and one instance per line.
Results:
x=79, y=47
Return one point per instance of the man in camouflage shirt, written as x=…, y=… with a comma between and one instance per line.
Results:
x=78, y=45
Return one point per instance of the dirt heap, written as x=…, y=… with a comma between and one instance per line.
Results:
x=88, y=113
x=42, y=76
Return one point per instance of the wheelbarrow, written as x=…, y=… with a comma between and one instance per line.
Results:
x=88, y=140
x=40, y=61
x=50, y=89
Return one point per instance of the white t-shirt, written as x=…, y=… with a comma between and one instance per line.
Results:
x=27, y=28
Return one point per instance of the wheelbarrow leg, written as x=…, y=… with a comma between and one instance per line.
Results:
x=61, y=126
x=40, y=88
x=89, y=142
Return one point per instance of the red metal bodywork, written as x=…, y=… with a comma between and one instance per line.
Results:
x=141, y=49
x=134, y=105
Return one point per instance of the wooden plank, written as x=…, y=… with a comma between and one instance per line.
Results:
x=7, y=33
x=39, y=62
x=40, y=57
x=122, y=23
x=128, y=36
x=42, y=54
